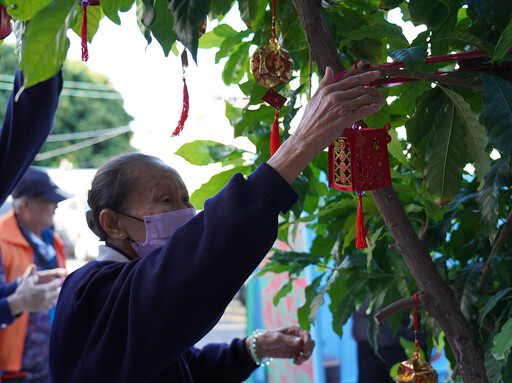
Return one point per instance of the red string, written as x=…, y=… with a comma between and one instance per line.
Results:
x=275, y=141
x=273, y=40
x=361, y=230
x=416, y=343
x=85, y=52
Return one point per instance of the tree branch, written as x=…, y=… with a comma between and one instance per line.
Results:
x=394, y=308
x=437, y=298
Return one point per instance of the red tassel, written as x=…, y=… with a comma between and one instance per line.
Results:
x=275, y=141
x=184, y=111
x=361, y=231
x=85, y=52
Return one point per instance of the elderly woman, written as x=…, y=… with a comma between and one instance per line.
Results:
x=166, y=275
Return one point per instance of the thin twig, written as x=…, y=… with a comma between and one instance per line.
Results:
x=393, y=308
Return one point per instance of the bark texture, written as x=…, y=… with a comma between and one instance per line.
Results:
x=435, y=296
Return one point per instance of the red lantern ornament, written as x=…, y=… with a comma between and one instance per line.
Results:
x=272, y=66
x=358, y=161
x=5, y=22
x=83, y=32
x=416, y=370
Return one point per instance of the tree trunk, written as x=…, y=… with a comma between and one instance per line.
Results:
x=435, y=296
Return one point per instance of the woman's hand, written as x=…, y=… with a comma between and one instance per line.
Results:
x=290, y=343
x=335, y=107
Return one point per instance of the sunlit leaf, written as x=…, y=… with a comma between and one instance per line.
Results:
x=24, y=10
x=94, y=16
x=112, y=7
x=46, y=42
x=502, y=341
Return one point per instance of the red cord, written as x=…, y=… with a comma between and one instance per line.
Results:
x=85, y=52
x=416, y=343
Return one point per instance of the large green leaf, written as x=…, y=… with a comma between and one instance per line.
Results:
x=412, y=57
x=234, y=68
x=445, y=155
x=248, y=11
x=493, y=367
x=502, y=341
x=219, y=8
x=23, y=9
x=476, y=139
x=377, y=32
x=466, y=287
x=303, y=312
x=214, y=185
x=94, y=16
x=431, y=13
x=504, y=43
x=46, y=43
x=187, y=15
x=466, y=38
x=162, y=26
x=112, y=7
x=347, y=305
x=497, y=111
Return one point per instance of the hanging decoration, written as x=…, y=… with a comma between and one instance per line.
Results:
x=5, y=22
x=358, y=161
x=85, y=4
x=272, y=66
x=186, y=101
x=416, y=370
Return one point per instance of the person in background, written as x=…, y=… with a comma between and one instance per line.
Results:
x=166, y=275
x=26, y=237
x=27, y=123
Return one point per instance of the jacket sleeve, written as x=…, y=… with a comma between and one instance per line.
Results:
x=6, y=289
x=228, y=363
x=150, y=311
x=27, y=124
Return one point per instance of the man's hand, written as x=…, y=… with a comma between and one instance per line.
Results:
x=37, y=291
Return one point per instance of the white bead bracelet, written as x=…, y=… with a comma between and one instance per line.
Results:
x=252, y=346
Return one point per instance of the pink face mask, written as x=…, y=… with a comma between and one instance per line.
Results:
x=160, y=228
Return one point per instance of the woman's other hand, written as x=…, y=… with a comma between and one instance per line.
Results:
x=290, y=343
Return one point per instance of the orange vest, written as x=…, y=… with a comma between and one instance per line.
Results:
x=17, y=255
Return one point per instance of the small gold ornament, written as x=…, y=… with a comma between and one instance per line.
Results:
x=271, y=65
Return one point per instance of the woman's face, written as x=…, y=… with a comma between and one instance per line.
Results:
x=159, y=189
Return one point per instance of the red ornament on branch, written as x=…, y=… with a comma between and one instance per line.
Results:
x=358, y=161
x=83, y=32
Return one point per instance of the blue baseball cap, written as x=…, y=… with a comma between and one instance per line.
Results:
x=36, y=183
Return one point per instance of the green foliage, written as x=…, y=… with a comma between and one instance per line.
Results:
x=78, y=114
x=458, y=215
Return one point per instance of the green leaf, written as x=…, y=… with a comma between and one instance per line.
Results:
x=233, y=70
x=94, y=16
x=23, y=9
x=46, y=43
x=493, y=367
x=497, y=111
x=310, y=294
x=145, y=16
x=204, y=152
x=218, y=9
x=466, y=38
x=187, y=15
x=214, y=185
x=466, y=287
x=491, y=303
x=502, y=341
x=248, y=11
x=283, y=291
x=162, y=26
x=112, y=7
x=504, y=44
x=476, y=139
x=210, y=40
x=377, y=32
x=445, y=155
x=347, y=305
x=412, y=57
x=480, y=7
x=395, y=148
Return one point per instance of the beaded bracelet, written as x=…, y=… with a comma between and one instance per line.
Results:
x=252, y=345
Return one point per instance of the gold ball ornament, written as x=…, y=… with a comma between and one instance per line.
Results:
x=271, y=66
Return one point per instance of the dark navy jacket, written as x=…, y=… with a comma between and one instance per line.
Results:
x=27, y=124
x=138, y=321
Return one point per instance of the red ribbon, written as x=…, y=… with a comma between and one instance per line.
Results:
x=416, y=343
x=275, y=141
x=85, y=52
x=184, y=110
